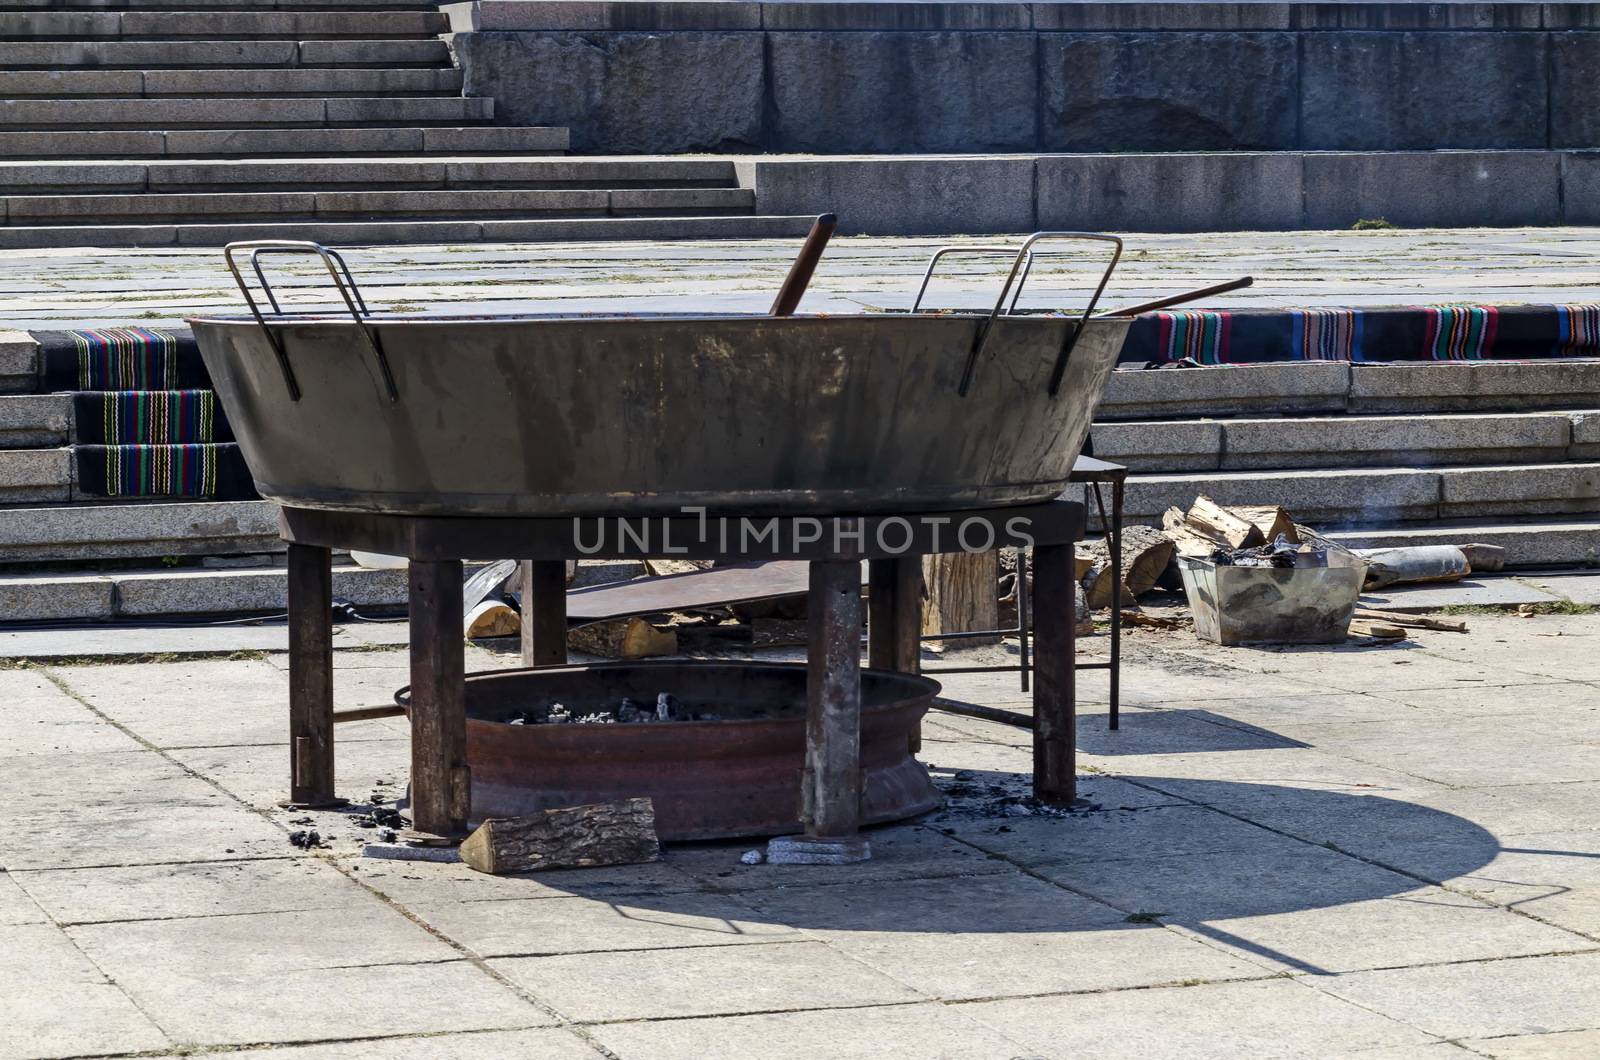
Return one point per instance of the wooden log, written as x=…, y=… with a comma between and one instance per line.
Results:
x=1376, y=630
x=622, y=638
x=1413, y=565
x=1485, y=557
x=492, y=618
x=1396, y=618
x=1146, y=553
x=1270, y=519
x=1186, y=540
x=1316, y=539
x=962, y=595
x=573, y=837
x=1221, y=525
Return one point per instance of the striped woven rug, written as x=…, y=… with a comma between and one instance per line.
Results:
x=148, y=417
x=211, y=471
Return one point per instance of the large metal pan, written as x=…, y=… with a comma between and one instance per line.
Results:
x=612, y=415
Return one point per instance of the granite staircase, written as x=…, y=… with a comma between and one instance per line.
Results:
x=161, y=122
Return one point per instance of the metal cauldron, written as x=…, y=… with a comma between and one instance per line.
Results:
x=606, y=415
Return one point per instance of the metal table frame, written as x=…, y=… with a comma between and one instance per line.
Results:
x=1093, y=473
x=441, y=783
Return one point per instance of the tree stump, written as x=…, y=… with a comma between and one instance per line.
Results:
x=963, y=594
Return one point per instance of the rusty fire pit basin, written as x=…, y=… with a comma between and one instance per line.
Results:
x=736, y=776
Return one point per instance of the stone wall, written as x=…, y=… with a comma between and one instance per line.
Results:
x=820, y=78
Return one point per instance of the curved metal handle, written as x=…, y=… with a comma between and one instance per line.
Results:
x=943, y=252
x=1025, y=256
x=349, y=292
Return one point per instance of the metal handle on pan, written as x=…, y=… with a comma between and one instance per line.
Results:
x=942, y=252
x=349, y=292
x=1023, y=265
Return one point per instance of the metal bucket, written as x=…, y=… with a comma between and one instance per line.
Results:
x=1268, y=605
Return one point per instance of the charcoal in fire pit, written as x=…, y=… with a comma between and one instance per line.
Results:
x=666, y=706
x=559, y=715
x=629, y=711
x=599, y=717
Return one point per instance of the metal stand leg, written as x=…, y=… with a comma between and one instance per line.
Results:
x=441, y=787
x=830, y=800
x=311, y=677
x=544, y=612
x=1054, y=705
x=894, y=619
x=1116, y=612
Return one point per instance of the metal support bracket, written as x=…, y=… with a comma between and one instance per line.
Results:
x=343, y=281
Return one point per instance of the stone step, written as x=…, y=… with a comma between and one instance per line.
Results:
x=1333, y=497
x=96, y=176
x=192, y=54
x=238, y=112
x=222, y=25
x=34, y=421
x=36, y=476
x=1534, y=542
x=1338, y=386
x=1419, y=440
x=279, y=143
x=345, y=205
x=56, y=596
x=154, y=529
x=350, y=233
x=215, y=5
x=119, y=84
x=19, y=375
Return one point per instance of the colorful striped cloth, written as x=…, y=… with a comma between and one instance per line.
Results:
x=120, y=359
x=1401, y=333
x=148, y=417
x=213, y=472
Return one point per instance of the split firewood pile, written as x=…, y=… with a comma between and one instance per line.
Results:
x=1267, y=536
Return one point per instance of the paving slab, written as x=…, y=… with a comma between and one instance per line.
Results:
x=898, y=853
x=16, y=905
x=56, y=979
x=716, y=980
x=1581, y=588
x=545, y=1043
x=1530, y=995
x=216, y=702
x=1012, y=934
x=935, y=1032
x=37, y=717
x=1279, y=1018
x=1556, y=1046
x=1469, y=592
x=431, y=884
x=202, y=947
x=159, y=892
x=519, y=928
x=322, y=1004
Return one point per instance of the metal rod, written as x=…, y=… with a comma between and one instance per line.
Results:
x=392, y=710
x=973, y=710
x=1179, y=299
x=805, y=264
x=942, y=252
